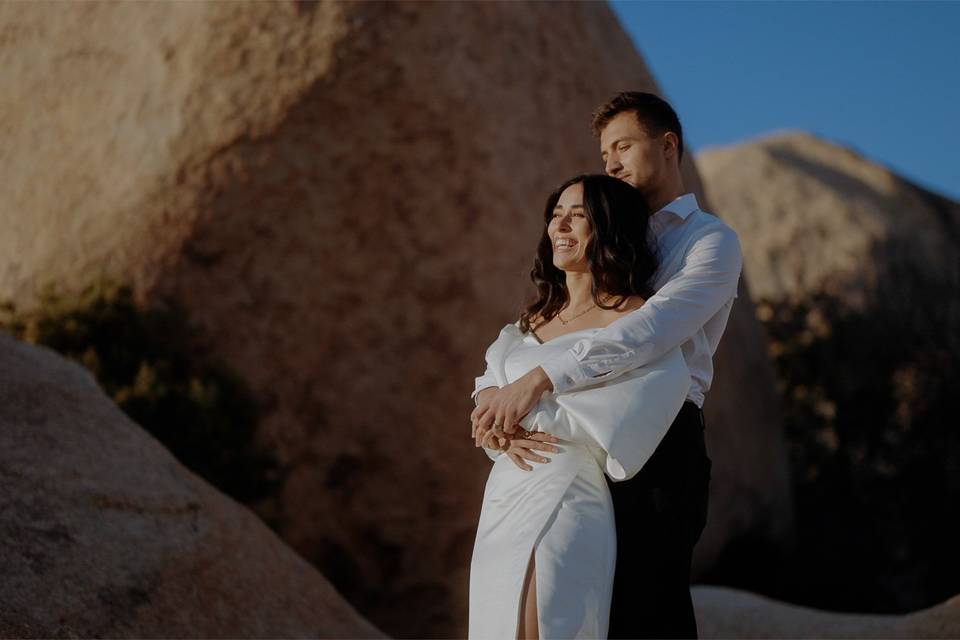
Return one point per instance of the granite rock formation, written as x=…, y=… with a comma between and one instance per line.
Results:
x=104, y=534
x=346, y=198
x=730, y=613
x=818, y=218
x=856, y=274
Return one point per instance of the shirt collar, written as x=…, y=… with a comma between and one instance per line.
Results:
x=681, y=207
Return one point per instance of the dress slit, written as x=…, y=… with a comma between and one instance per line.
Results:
x=490, y=565
x=530, y=575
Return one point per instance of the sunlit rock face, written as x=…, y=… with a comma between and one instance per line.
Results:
x=856, y=275
x=104, y=534
x=731, y=613
x=816, y=217
x=346, y=198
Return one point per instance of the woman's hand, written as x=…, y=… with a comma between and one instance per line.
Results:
x=520, y=446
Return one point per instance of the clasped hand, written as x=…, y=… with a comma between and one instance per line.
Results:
x=495, y=422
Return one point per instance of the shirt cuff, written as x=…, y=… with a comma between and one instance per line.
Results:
x=561, y=370
x=473, y=396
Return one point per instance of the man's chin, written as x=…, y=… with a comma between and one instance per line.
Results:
x=630, y=181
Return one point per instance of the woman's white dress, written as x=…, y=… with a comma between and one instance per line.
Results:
x=562, y=511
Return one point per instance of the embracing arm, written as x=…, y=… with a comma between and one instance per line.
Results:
x=626, y=417
x=706, y=282
x=486, y=390
x=483, y=382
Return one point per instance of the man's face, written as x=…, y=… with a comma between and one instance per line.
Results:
x=630, y=154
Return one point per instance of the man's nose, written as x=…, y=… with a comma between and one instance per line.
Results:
x=612, y=164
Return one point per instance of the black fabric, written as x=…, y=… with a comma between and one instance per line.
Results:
x=660, y=513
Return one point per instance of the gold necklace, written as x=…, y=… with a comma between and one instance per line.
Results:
x=562, y=321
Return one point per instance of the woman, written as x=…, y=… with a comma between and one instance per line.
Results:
x=545, y=549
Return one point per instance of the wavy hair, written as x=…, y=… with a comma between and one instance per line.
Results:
x=621, y=257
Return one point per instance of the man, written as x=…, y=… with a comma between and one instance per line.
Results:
x=661, y=511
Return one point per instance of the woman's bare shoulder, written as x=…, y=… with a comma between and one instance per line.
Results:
x=536, y=320
x=630, y=303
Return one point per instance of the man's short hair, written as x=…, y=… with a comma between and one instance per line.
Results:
x=655, y=115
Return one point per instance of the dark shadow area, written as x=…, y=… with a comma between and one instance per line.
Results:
x=870, y=409
x=153, y=364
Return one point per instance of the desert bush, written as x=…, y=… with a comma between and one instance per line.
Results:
x=153, y=364
x=869, y=399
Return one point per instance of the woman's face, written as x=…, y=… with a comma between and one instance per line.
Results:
x=569, y=231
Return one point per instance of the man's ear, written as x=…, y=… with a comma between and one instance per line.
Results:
x=670, y=144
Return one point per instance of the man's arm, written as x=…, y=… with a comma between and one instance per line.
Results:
x=482, y=382
x=707, y=281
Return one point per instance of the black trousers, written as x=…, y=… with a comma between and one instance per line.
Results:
x=660, y=513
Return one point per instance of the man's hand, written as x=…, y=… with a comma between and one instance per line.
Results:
x=505, y=407
x=484, y=399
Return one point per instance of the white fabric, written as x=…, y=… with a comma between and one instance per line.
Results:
x=696, y=284
x=561, y=511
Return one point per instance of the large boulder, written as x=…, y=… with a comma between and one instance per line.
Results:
x=104, y=534
x=346, y=198
x=731, y=613
x=819, y=218
x=856, y=275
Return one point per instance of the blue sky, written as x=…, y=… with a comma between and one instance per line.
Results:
x=880, y=77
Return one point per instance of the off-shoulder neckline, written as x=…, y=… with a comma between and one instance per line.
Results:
x=534, y=335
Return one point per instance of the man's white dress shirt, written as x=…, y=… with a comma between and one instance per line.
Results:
x=695, y=284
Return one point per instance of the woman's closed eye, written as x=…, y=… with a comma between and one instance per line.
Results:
x=573, y=214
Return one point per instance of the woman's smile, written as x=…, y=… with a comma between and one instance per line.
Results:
x=568, y=228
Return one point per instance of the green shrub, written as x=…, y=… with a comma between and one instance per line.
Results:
x=153, y=364
x=869, y=399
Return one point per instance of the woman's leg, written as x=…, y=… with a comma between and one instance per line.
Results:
x=528, y=627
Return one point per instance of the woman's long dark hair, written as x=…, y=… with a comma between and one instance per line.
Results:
x=621, y=256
